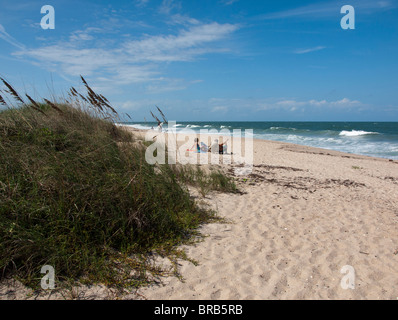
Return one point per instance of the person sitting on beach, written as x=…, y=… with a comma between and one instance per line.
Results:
x=195, y=146
x=214, y=148
x=218, y=147
x=223, y=147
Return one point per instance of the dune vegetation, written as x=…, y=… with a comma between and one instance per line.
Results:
x=77, y=194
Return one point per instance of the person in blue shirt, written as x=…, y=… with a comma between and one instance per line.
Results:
x=195, y=146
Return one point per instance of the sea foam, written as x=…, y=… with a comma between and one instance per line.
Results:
x=355, y=133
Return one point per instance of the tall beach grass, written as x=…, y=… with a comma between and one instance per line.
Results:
x=76, y=193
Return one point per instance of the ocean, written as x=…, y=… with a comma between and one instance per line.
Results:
x=376, y=139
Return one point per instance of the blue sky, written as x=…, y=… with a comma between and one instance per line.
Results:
x=215, y=60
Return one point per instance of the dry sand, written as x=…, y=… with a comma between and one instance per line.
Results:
x=304, y=214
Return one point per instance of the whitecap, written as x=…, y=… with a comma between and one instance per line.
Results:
x=355, y=133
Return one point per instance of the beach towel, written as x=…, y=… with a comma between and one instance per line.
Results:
x=203, y=147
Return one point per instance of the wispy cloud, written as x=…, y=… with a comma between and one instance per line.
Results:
x=5, y=36
x=182, y=47
x=130, y=61
x=168, y=6
x=331, y=9
x=86, y=34
x=218, y=108
x=346, y=102
x=293, y=105
x=302, y=51
x=228, y=2
x=183, y=19
x=141, y=3
x=222, y=109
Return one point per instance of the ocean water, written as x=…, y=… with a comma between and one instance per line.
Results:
x=376, y=139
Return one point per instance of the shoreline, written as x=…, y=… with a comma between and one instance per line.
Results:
x=288, y=145
x=374, y=139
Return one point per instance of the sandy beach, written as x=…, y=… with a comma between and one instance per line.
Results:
x=300, y=204
x=304, y=215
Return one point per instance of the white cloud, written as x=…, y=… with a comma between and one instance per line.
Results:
x=302, y=51
x=289, y=103
x=80, y=36
x=71, y=60
x=5, y=36
x=346, y=102
x=213, y=108
x=169, y=5
x=329, y=9
x=141, y=3
x=85, y=35
x=229, y=2
x=294, y=104
x=317, y=103
x=183, y=19
x=181, y=47
x=131, y=61
x=222, y=109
